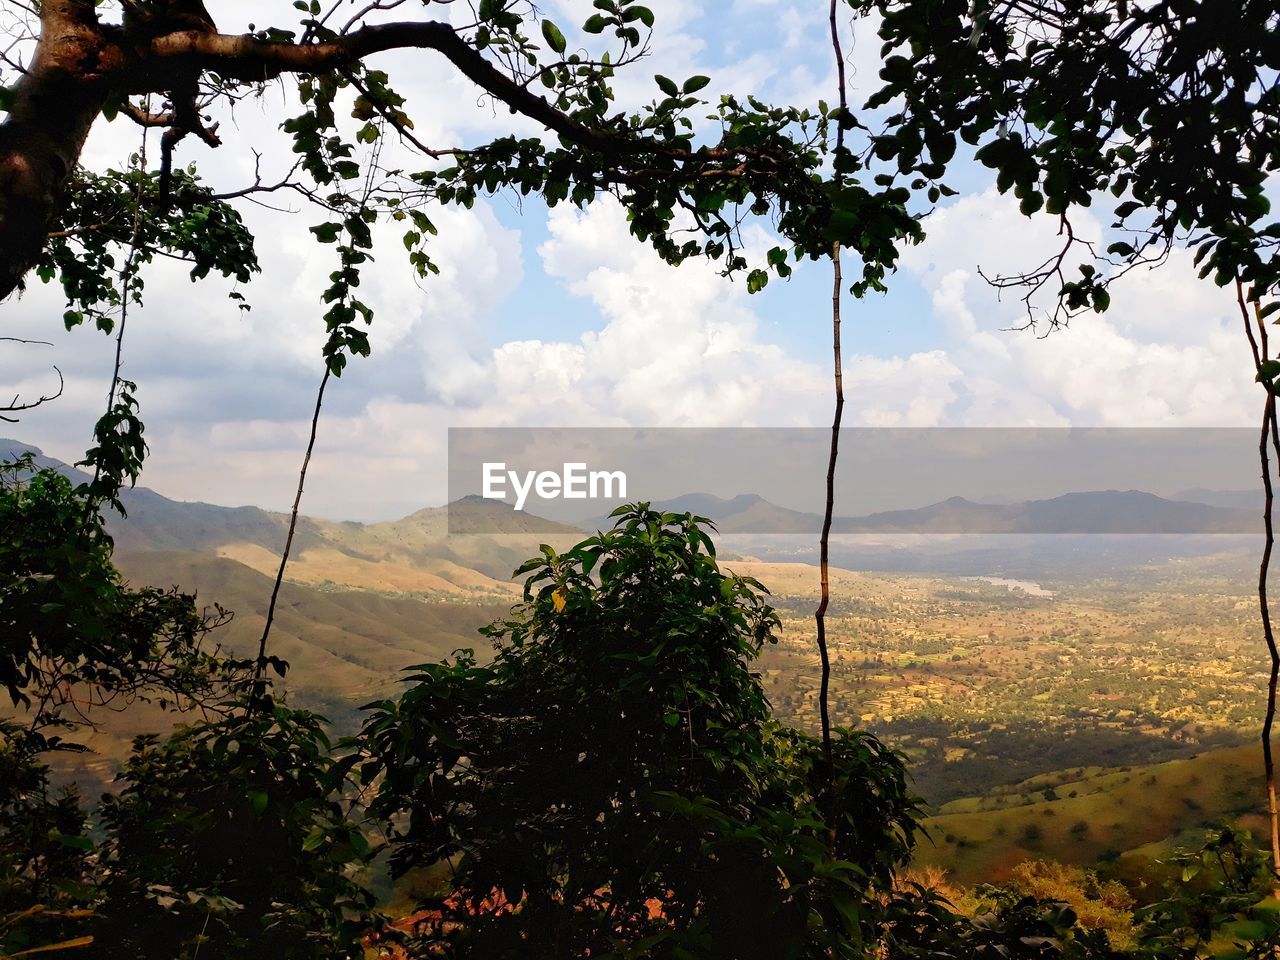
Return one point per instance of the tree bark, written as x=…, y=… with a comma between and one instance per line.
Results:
x=52, y=108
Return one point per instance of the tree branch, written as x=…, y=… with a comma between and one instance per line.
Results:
x=246, y=57
x=17, y=405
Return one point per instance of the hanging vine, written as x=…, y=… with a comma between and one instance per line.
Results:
x=1268, y=440
x=354, y=239
x=824, y=543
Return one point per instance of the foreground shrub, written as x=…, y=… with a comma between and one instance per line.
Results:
x=230, y=839
x=613, y=782
x=44, y=863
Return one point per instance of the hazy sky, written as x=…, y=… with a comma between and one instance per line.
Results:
x=558, y=318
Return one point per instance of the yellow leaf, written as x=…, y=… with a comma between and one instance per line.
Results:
x=559, y=597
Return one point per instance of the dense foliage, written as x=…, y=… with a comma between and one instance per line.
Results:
x=232, y=838
x=619, y=723
x=1168, y=110
x=44, y=870
x=73, y=635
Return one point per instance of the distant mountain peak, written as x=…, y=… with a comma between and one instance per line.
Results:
x=10, y=449
x=710, y=503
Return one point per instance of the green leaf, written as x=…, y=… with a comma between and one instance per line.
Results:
x=327, y=232
x=595, y=24
x=694, y=84
x=643, y=14
x=667, y=85
x=315, y=840
x=555, y=39
x=73, y=840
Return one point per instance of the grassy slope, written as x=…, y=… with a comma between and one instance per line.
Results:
x=344, y=647
x=339, y=642
x=1136, y=814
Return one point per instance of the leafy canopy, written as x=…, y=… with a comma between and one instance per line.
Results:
x=1168, y=110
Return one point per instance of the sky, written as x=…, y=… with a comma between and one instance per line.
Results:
x=557, y=317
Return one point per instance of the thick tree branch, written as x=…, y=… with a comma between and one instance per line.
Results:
x=246, y=57
x=81, y=65
x=145, y=118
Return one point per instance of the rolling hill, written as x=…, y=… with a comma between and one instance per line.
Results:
x=1089, y=512
x=344, y=647
x=1127, y=817
x=341, y=644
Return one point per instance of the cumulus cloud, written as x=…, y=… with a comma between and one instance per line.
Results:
x=677, y=346
x=1167, y=353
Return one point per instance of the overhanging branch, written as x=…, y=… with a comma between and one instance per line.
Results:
x=248, y=58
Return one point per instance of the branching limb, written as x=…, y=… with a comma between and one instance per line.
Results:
x=17, y=405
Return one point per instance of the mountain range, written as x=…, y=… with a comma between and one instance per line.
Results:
x=1088, y=512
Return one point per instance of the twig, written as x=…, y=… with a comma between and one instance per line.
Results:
x=17, y=406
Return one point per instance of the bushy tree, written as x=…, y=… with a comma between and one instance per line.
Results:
x=73, y=634
x=1168, y=111
x=166, y=65
x=231, y=839
x=613, y=782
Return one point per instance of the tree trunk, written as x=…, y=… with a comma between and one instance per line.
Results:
x=50, y=113
x=1270, y=434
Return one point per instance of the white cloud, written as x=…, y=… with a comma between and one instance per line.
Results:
x=1167, y=353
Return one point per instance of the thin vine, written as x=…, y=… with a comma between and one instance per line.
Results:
x=344, y=336
x=824, y=543
x=1269, y=437
x=119, y=448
